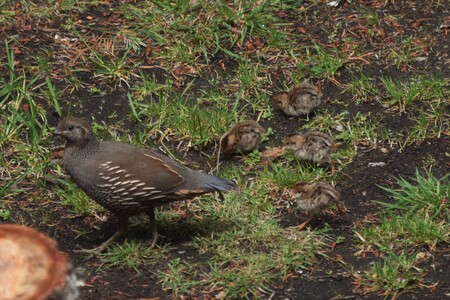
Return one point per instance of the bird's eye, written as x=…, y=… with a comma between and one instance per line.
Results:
x=70, y=127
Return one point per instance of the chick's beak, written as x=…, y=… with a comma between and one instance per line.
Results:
x=57, y=133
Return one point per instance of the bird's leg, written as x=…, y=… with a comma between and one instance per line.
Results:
x=156, y=235
x=341, y=207
x=342, y=210
x=301, y=226
x=333, y=167
x=122, y=226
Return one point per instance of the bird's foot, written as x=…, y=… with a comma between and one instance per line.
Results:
x=103, y=246
x=92, y=252
x=155, y=239
x=302, y=226
x=333, y=168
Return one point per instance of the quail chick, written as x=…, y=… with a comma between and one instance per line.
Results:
x=300, y=100
x=312, y=145
x=127, y=180
x=315, y=197
x=243, y=137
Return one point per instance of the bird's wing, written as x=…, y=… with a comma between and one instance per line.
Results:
x=151, y=168
x=328, y=190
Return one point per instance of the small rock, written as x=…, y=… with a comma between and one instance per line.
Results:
x=333, y=3
x=377, y=164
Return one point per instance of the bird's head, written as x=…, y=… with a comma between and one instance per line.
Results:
x=293, y=141
x=74, y=130
x=281, y=100
x=228, y=143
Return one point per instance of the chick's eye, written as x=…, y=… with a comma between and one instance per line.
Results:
x=70, y=127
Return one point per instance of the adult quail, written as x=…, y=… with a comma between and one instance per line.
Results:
x=243, y=137
x=127, y=180
x=316, y=197
x=300, y=100
x=312, y=145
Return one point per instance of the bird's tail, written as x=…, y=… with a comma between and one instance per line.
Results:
x=221, y=184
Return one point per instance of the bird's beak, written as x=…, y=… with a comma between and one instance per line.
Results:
x=57, y=133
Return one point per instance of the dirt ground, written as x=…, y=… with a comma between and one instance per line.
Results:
x=328, y=279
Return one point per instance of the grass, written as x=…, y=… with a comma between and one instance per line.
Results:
x=362, y=87
x=409, y=48
x=131, y=254
x=19, y=101
x=417, y=219
x=321, y=63
x=248, y=249
x=8, y=189
x=406, y=231
x=393, y=275
x=206, y=29
x=420, y=88
x=176, y=76
x=177, y=117
x=425, y=194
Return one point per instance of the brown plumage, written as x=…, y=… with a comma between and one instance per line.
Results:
x=316, y=197
x=243, y=137
x=300, y=100
x=128, y=180
x=312, y=145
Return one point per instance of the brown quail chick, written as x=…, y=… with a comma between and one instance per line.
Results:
x=316, y=197
x=300, y=100
x=243, y=137
x=312, y=145
x=127, y=180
